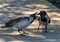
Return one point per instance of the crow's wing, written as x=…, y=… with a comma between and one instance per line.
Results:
x=14, y=21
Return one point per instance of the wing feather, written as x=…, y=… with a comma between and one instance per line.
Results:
x=14, y=21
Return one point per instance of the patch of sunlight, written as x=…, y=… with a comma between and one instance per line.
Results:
x=17, y=41
x=11, y=33
x=42, y=6
x=38, y=36
x=23, y=0
x=3, y=5
x=32, y=27
x=58, y=14
x=3, y=28
x=52, y=24
x=53, y=40
x=38, y=5
x=51, y=31
x=1, y=14
x=1, y=24
x=11, y=15
x=54, y=13
x=25, y=8
x=22, y=10
x=55, y=19
x=29, y=6
x=4, y=9
x=2, y=40
x=41, y=36
x=27, y=12
x=11, y=7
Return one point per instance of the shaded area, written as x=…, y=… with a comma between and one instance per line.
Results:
x=11, y=35
x=54, y=3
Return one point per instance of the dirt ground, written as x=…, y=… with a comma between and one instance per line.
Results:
x=10, y=9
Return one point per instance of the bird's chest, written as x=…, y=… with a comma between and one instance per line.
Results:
x=44, y=18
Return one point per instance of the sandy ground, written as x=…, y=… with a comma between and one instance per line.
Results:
x=10, y=9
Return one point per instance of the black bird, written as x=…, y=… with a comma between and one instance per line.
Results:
x=43, y=19
x=21, y=22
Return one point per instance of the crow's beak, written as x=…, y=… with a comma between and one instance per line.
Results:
x=38, y=13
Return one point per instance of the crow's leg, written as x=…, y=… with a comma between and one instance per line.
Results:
x=21, y=31
x=45, y=29
x=39, y=23
x=39, y=26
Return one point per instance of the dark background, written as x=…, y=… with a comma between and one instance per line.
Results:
x=55, y=2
